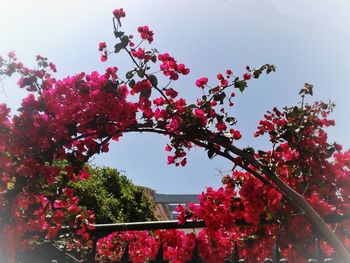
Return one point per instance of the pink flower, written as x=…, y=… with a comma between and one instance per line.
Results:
x=171, y=93
x=201, y=82
x=171, y=159
x=141, y=86
x=57, y=204
x=104, y=58
x=105, y=148
x=246, y=76
x=118, y=13
x=182, y=69
x=159, y=101
x=173, y=125
x=73, y=209
x=168, y=148
x=52, y=232
x=111, y=72
x=146, y=34
x=11, y=54
x=102, y=46
x=200, y=115
x=140, y=53
x=84, y=175
x=224, y=83
x=52, y=67
x=221, y=126
x=236, y=134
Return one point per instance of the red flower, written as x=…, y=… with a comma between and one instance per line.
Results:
x=201, y=82
x=171, y=159
x=11, y=54
x=52, y=67
x=141, y=86
x=224, y=83
x=140, y=53
x=73, y=209
x=118, y=13
x=84, y=175
x=236, y=134
x=182, y=69
x=200, y=115
x=246, y=76
x=221, y=126
x=168, y=148
x=183, y=162
x=174, y=124
x=104, y=58
x=52, y=232
x=146, y=34
x=102, y=46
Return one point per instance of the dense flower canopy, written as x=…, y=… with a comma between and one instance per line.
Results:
x=77, y=117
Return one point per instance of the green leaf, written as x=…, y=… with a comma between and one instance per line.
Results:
x=118, y=34
x=308, y=89
x=125, y=41
x=256, y=74
x=270, y=68
x=131, y=83
x=241, y=85
x=249, y=150
x=231, y=120
x=192, y=106
x=169, y=109
x=118, y=47
x=146, y=93
x=153, y=79
x=129, y=74
x=261, y=153
x=220, y=97
x=211, y=153
x=154, y=58
x=140, y=73
x=330, y=151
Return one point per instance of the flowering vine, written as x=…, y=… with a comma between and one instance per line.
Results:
x=301, y=181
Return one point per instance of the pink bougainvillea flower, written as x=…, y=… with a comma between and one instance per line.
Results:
x=118, y=13
x=201, y=82
x=246, y=76
x=102, y=46
x=11, y=54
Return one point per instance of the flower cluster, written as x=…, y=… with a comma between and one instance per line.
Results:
x=146, y=33
x=102, y=46
x=119, y=13
x=171, y=68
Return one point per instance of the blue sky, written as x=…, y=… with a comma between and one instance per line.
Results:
x=308, y=41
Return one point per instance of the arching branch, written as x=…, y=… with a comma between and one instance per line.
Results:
x=294, y=198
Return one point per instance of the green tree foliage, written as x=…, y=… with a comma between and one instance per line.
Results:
x=113, y=197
